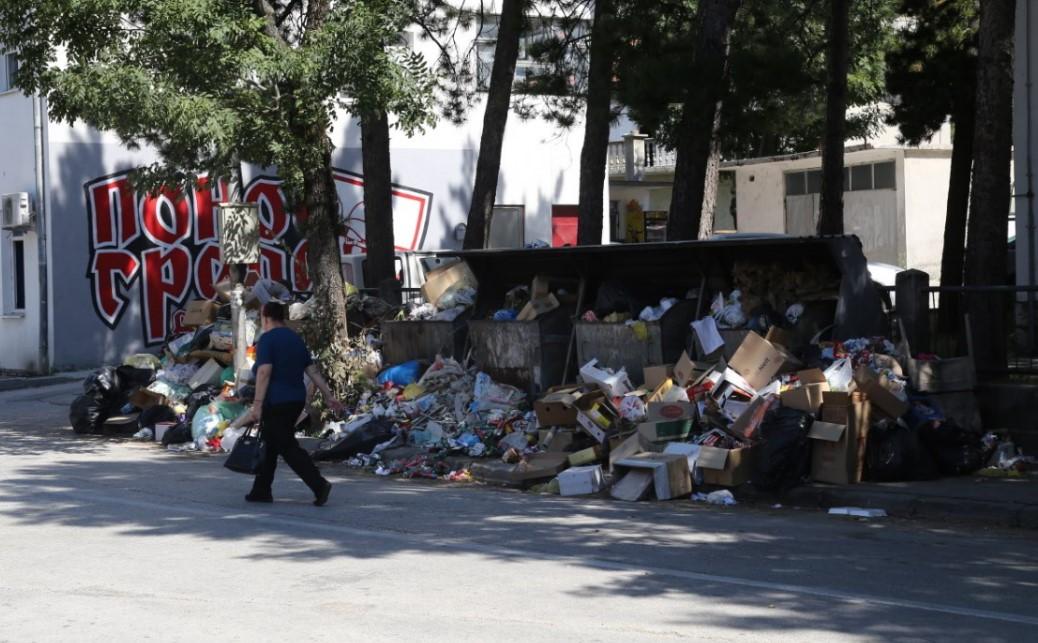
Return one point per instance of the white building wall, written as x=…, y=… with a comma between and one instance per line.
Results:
x=19, y=333
x=926, y=200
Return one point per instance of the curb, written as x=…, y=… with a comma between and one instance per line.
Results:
x=909, y=505
x=33, y=382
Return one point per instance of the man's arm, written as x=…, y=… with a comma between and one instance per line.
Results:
x=262, y=383
x=326, y=392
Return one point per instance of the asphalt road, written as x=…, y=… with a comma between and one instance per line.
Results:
x=114, y=540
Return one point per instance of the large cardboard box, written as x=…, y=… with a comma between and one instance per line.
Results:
x=668, y=421
x=726, y=467
x=200, y=312
x=633, y=444
x=537, y=307
x=758, y=361
x=808, y=397
x=144, y=399
x=670, y=474
x=440, y=281
x=838, y=451
x=538, y=467
x=870, y=383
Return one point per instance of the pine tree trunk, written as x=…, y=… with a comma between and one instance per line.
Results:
x=710, y=183
x=700, y=116
x=831, y=219
x=954, y=252
x=499, y=96
x=987, y=248
x=594, y=154
x=327, y=325
x=378, y=205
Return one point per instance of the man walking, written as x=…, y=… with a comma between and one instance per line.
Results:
x=281, y=360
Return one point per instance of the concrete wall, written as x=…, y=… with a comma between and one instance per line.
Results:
x=19, y=333
x=926, y=200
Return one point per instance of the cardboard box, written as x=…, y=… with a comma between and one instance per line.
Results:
x=656, y=375
x=580, y=481
x=836, y=407
x=633, y=486
x=561, y=440
x=779, y=337
x=726, y=467
x=208, y=374
x=537, y=307
x=200, y=312
x=758, y=361
x=838, y=452
x=808, y=397
x=684, y=370
x=555, y=408
x=540, y=466
x=633, y=444
x=870, y=383
x=665, y=431
x=670, y=475
x=585, y=456
x=747, y=424
x=440, y=281
x=670, y=411
x=597, y=416
x=144, y=399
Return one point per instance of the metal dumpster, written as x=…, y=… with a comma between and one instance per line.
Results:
x=616, y=346
x=403, y=341
x=528, y=354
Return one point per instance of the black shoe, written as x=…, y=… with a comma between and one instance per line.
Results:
x=254, y=497
x=322, y=495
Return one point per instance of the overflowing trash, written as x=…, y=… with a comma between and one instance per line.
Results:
x=755, y=394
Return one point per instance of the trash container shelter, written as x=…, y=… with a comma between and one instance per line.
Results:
x=616, y=344
x=854, y=311
x=423, y=339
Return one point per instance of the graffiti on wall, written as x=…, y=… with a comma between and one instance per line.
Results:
x=163, y=249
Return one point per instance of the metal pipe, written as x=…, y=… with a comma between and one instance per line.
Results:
x=39, y=111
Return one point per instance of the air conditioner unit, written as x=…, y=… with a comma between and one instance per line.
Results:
x=15, y=211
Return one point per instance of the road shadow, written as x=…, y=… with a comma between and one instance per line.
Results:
x=760, y=562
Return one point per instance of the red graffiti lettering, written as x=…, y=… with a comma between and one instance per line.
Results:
x=166, y=217
x=209, y=270
x=206, y=198
x=167, y=279
x=113, y=219
x=113, y=271
x=267, y=195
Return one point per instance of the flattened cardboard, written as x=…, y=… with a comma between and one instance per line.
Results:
x=538, y=467
x=683, y=370
x=726, y=467
x=200, y=312
x=561, y=441
x=758, y=361
x=655, y=375
x=537, y=307
x=870, y=383
x=670, y=474
x=439, y=281
x=632, y=445
x=586, y=456
x=633, y=486
x=144, y=399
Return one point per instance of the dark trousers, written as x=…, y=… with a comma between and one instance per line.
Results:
x=277, y=428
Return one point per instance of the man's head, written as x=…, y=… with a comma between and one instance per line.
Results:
x=273, y=314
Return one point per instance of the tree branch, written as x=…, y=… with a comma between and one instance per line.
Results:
x=264, y=10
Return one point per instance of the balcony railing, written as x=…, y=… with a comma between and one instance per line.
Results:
x=636, y=155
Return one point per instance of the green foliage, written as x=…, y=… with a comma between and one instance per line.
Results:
x=776, y=99
x=930, y=69
x=210, y=82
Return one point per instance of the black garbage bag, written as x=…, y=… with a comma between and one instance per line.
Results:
x=151, y=416
x=784, y=455
x=177, y=435
x=201, y=396
x=103, y=382
x=895, y=454
x=613, y=297
x=129, y=379
x=955, y=450
x=88, y=413
x=363, y=440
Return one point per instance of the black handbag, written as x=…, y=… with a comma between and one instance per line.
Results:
x=248, y=452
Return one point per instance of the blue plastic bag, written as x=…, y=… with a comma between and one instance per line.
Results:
x=401, y=374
